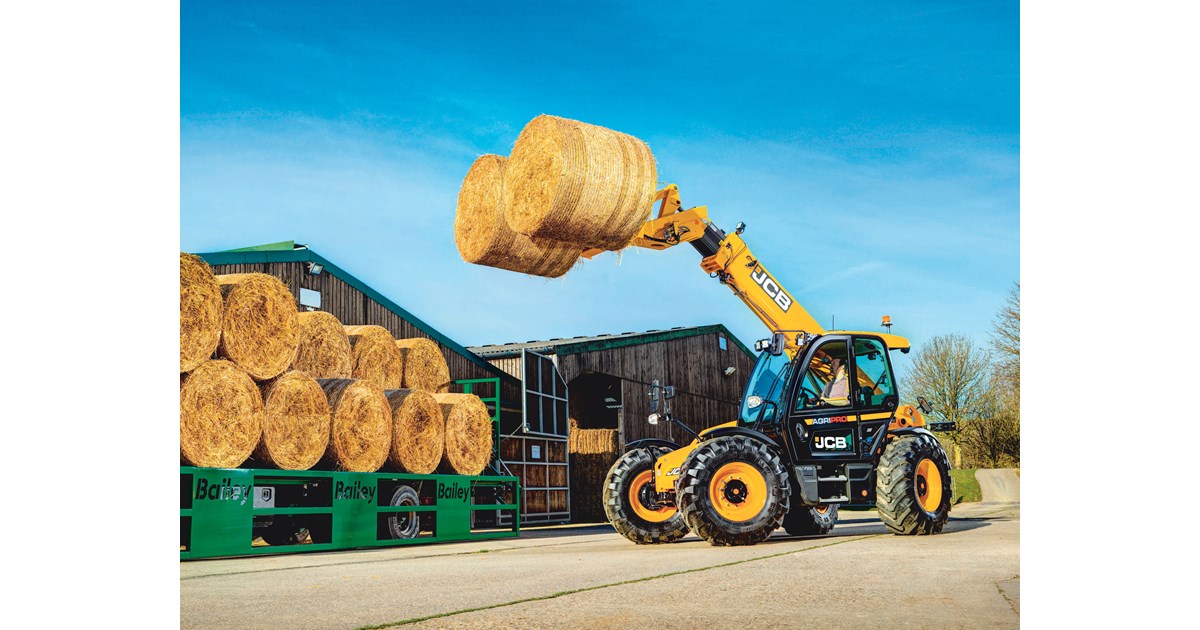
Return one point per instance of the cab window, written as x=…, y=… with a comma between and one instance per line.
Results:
x=826, y=382
x=874, y=377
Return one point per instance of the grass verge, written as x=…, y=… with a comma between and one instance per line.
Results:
x=966, y=487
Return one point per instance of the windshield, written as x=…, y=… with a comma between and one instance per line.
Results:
x=766, y=384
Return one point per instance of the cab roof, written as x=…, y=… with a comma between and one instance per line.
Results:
x=894, y=342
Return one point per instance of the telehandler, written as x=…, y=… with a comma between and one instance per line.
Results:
x=820, y=426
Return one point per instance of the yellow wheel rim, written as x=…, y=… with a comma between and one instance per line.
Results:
x=646, y=477
x=929, y=485
x=821, y=509
x=738, y=491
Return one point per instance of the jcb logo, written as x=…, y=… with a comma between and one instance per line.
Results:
x=773, y=290
x=832, y=443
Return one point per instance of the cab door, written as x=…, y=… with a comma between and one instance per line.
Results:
x=822, y=420
x=873, y=392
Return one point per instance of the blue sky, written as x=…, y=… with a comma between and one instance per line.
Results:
x=871, y=148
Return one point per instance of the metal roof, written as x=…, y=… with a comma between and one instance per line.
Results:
x=586, y=343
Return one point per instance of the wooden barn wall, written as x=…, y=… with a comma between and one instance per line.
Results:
x=353, y=307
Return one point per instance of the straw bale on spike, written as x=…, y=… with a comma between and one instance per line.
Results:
x=220, y=416
x=484, y=237
x=200, y=307
x=296, y=426
x=468, y=434
x=324, y=347
x=593, y=452
x=578, y=183
x=375, y=356
x=260, y=329
x=424, y=365
x=418, y=431
x=360, y=432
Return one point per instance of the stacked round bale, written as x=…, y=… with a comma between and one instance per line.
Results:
x=593, y=452
x=568, y=187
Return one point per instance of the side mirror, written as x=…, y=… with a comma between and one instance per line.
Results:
x=778, y=343
x=924, y=405
x=654, y=396
x=669, y=391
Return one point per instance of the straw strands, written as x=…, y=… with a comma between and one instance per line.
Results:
x=296, y=426
x=468, y=433
x=220, y=416
x=200, y=310
x=578, y=183
x=418, y=431
x=593, y=452
x=260, y=327
x=361, y=429
x=483, y=236
x=324, y=347
x=375, y=356
x=424, y=365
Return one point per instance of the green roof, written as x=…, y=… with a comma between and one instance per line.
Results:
x=577, y=345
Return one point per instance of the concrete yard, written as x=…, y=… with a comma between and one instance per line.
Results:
x=588, y=576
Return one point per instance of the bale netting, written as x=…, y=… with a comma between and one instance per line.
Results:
x=296, y=425
x=360, y=431
x=324, y=348
x=375, y=356
x=418, y=431
x=260, y=329
x=578, y=183
x=220, y=416
x=468, y=434
x=484, y=237
x=593, y=452
x=424, y=365
x=200, y=310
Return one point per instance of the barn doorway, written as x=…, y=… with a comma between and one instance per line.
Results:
x=596, y=401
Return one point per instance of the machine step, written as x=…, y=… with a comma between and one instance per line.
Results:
x=835, y=478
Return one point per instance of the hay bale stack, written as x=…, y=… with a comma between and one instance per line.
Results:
x=296, y=425
x=360, y=431
x=375, y=356
x=468, y=434
x=260, y=328
x=484, y=237
x=418, y=431
x=220, y=416
x=578, y=183
x=324, y=348
x=200, y=310
x=424, y=365
x=593, y=452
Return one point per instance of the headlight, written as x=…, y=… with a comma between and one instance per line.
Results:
x=753, y=401
x=652, y=418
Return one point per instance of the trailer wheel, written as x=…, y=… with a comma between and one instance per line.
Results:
x=804, y=520
x=733, y=491
x=913, y=486
x=283, y=531
x=402, y=525
x=630, y=501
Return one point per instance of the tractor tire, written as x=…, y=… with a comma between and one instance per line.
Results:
x=912, y=486
x=804, y=520
x=404, y=525
x=625, y=490
x=733, y=491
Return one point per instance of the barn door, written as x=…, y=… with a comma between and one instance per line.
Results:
x=545, y=395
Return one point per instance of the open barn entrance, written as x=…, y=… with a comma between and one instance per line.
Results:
x=596, y=401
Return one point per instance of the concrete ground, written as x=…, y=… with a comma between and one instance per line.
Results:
x=858, y=576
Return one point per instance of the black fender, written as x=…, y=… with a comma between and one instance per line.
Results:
x=744, y=432
x=911, y=431
x=649, y=442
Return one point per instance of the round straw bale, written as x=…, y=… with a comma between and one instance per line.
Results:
x=200, y=307
x=468, y=434
x=424, y=365
x=260, y=330
x=418, y=431
x=324, y=348
x=375, y=355
x=578, y=183
x=482, y=233
x=360, y=433
x=220, y=416
x=296, y=426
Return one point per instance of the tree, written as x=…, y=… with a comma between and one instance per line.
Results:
x=1006, y=337
x=952, y=374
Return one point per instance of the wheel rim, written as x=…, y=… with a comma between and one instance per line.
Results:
x=929, y=485
x=738, y=491
x=642, y=485
x=821, y=509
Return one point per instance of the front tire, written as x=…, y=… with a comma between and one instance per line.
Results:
x=629, y=506
x=811, y=521
x=733, y=491
x=912, y=486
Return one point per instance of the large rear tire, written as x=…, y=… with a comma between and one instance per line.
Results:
x=912, y=486
x=811, y=521
x=733, y=491
x=629, y=504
